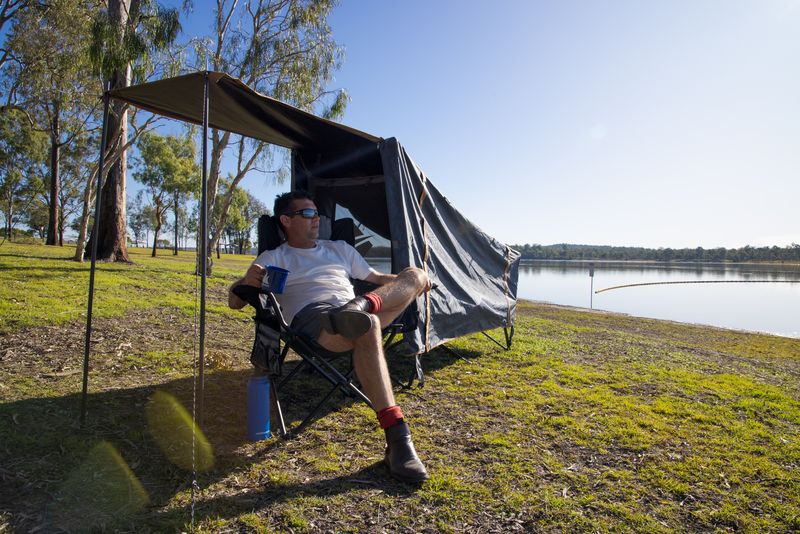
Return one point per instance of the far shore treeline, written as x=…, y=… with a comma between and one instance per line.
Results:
x=604, y=252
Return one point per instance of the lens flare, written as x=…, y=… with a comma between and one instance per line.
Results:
x=171, y=427
x=99, y=493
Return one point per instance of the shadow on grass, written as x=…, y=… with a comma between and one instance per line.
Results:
x=57, y=475
x=48, y=274
x=36, y=257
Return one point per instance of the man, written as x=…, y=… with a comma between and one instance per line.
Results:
x=318, y=300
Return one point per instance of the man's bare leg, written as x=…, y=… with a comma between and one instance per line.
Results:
x=373, y=373
x=399, y=293
x=369, y=362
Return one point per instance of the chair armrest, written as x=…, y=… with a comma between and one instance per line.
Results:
x=249, y=294
x=264, y=302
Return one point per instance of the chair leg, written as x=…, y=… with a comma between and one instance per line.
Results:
x=314, y=411
x=276, y=403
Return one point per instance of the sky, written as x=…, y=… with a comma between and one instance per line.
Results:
x=655, y=124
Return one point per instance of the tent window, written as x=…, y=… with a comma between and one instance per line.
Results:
x=368, y=243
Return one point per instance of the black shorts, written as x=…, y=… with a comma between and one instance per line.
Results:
x=307, y=322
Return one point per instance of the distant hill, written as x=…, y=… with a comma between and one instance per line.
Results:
x=564, y=251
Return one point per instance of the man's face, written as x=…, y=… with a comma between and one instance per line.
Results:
x=298, y=227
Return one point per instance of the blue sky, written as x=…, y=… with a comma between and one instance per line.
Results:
x=669, y=124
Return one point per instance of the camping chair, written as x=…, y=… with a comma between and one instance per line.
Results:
x=268, y=357
x=271, y=236
x=272, y=330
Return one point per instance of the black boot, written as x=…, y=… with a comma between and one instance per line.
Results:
x=401, y=458
x=351, y=320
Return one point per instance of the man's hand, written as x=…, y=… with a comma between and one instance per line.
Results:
x=254, y=275
x=428, y=286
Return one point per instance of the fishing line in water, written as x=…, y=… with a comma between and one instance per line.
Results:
x=700, y=282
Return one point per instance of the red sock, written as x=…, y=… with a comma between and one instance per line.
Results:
x=390, y=416
x=375, y=300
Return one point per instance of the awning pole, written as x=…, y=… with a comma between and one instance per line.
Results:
x=204, y=245
x=95, y=239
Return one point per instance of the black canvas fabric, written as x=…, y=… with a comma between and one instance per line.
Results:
x=476, y=274
x=235, y=107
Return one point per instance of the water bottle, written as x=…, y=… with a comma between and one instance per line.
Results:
x=258, y=408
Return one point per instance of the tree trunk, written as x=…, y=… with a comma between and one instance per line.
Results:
x=9, y=222
x=112, y=245
x=175, y=207
x=83, y=227
x=55, y=180
x=155, y=239
x=161, y=211
x=61, y=223
x=111, y=241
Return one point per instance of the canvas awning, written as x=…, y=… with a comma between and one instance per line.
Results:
x=235, y=107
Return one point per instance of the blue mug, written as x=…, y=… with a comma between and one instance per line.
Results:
x=275, y=279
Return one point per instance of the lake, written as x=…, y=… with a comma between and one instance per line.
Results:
x=772, y=306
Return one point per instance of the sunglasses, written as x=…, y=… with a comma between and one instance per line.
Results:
x=306, y=213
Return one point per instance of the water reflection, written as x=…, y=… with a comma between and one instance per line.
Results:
x=769, y=307
x=701, y=270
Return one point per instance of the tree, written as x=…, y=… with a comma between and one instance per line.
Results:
x=166, y=168
x=49, y=81
x=184, y=186
x=76, y=165
x=36, y=216
x=22, y=159
x=125, y=40
x=140, y=219
x=180, y=221
x=9, y=10
x=249, y=214
x=282, y=48
x=236, y=223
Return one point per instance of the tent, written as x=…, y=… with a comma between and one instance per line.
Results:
x=376, y=181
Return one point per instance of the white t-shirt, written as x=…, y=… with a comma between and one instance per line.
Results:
x=319, y=274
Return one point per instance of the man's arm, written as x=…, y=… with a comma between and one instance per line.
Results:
x=253, y=277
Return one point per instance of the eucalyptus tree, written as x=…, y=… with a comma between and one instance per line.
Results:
x=184, y=188
x=281, y=48
x=140, y=218
x=127, y=38
x=249, y=212
x=166, y=167
x=76, y=164
x=35, y=217
x=22, y=164
x=180, y=220
x=236, y=223
x=49, y=81
x=9, y=11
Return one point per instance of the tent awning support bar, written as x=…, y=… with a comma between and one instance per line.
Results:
x=96, y=234
x=204, y=249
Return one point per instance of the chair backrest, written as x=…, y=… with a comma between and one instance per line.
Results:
x=270, y=235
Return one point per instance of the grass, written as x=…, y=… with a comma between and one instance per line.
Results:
x=592, y=422
x=40, y=285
